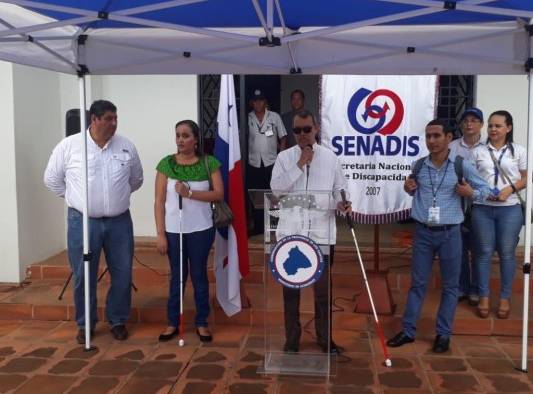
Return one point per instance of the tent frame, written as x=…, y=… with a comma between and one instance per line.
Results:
x=289, y=37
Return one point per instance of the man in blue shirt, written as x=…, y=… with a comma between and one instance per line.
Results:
x=438, y=213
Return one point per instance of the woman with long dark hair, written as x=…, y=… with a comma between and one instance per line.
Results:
x=497, y=221
x=185, y=174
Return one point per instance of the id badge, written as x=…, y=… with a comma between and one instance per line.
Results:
x=269, y=132
x=433, y=215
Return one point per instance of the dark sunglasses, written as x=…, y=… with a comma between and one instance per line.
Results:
x=305, y=129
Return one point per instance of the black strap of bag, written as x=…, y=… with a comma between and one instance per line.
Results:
x=505, y=177
x=222, y=215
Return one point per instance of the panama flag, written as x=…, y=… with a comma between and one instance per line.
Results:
x=231, y=243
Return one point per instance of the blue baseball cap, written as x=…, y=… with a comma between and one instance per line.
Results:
x=474, y=112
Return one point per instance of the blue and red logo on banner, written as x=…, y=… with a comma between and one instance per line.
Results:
x=375, y=111
x=376, y=116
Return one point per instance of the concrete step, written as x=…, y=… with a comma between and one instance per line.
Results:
x=149, y=268
x=38, y=301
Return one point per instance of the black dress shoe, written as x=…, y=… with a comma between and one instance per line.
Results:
x=290, y=348
x=399, y=340
x=333, y=348
x=441, y=344
x=204, y=338
x=80, y=337
x=119, y=332
x=168, y=337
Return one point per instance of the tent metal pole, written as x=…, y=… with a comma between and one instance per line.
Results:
x=37, y=42
x=157, y=7
x=183, y=28
x=420, y=50
x=529, y=200
x=285, y=33
x=48, y=26
x=464, y=6
x=373, y=21
x=86, y=254
x=270, y=19
x=51, y=7
x=355, y=25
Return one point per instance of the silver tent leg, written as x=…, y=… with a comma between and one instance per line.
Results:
x=529, y=199
x=86, y=254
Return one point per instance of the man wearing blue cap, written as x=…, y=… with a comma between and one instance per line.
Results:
x=470, y=124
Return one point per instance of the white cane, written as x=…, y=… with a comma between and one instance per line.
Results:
x=379, y=330
x=181, y=341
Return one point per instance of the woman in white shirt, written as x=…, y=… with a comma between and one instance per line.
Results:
x=185, y=174
x=497, y=221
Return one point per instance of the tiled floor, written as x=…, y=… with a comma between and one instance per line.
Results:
x=42, y=357
x=38, y=353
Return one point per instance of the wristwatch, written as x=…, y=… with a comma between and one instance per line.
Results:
x=190, y=193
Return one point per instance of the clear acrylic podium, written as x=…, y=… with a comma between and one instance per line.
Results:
x=297, y=283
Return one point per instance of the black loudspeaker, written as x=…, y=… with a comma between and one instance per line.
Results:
x=72, y=121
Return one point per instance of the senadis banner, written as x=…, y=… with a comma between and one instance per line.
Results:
x=376, y=124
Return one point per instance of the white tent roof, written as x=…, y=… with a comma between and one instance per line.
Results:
x=130, y=40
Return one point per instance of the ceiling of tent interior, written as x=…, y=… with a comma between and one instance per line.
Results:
x=268, y=36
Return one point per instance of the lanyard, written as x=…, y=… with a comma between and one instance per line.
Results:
x=440, y=184
x=260, y=125
x=496, y=167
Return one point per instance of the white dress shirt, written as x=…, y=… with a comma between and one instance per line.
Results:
x=263, y=138
x=461, y=148
x=114, y=172
x=325, y=175
x=511, y=164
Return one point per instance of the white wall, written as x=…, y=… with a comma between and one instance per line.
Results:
x=41, y=218
x=148, y=108
x=508, y=92
x=9, y=250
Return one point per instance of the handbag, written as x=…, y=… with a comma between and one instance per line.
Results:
x=515, y=190
x=221, y=212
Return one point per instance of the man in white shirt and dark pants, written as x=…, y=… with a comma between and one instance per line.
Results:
x=471, y=124
x=266, y=134
x=114, y=172
x=309, y=166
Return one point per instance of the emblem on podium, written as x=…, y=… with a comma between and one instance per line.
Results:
x=296, y=261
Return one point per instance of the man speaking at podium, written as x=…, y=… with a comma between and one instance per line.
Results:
x=309, y=166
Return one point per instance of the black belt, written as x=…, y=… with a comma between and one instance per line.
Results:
x=443, y=227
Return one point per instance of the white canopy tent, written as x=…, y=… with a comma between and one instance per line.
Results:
x=109, y=37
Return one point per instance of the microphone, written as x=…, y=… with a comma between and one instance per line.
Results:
x=308, y=167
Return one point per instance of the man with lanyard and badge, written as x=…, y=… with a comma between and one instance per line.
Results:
x=266, y=133
x=471, y=123
x=437, y=192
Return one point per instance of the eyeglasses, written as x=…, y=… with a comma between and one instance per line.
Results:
x=305, y=130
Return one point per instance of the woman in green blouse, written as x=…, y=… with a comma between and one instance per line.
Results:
x=185, y=174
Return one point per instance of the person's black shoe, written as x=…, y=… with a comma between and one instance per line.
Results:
x=462, y=297
x=290, y=348
x=119, y=332
x=399, y=340
x=168, y=337
x=473, y=300
x=333, y=348
x=441, y=344
x=80, y=337
x=204, y=338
